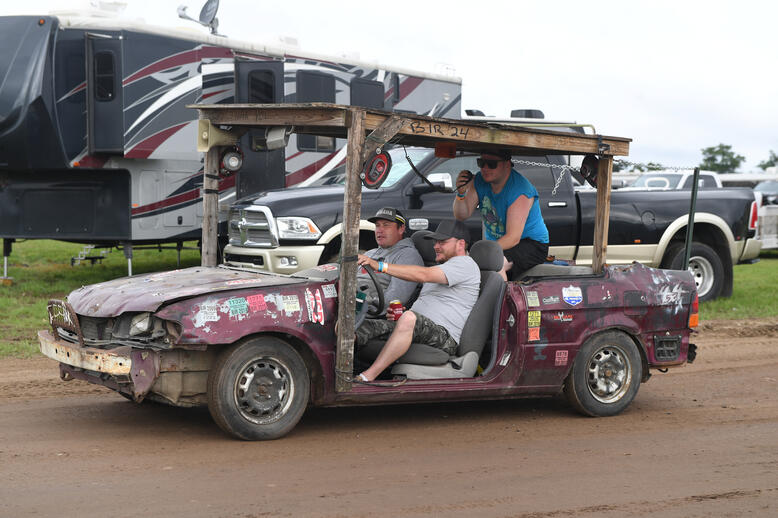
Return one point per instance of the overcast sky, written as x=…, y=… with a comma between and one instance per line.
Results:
x=675, y=76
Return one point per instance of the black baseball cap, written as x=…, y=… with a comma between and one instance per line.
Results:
x=503, y=153
x=389, y=214
x=449, y=228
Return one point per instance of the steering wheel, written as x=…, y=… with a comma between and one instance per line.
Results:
x=366, y=310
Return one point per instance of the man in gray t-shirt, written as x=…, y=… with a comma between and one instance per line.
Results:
x=448, y=295
x=392, y=248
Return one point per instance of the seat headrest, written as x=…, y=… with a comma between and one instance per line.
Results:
x=487, y=255
x=424, y=246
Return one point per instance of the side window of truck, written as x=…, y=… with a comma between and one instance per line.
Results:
x=313, y=86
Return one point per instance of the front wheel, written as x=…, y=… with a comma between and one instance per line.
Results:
x=605, y=376
x=258, y=390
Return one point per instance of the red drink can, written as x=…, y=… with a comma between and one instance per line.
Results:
x=395, y=310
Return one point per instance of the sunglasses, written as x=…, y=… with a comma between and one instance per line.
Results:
x=491, y=164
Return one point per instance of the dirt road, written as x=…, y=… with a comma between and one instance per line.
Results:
x=698, y=441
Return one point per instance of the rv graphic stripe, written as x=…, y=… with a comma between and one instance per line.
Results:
x=147, y=147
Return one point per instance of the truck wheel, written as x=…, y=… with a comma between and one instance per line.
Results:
x=605, y=376
x=258, y=390
x=704, y=264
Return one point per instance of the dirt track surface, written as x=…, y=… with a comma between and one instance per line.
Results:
x=699, y=441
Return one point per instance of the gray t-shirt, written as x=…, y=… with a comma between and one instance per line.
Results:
x=403, y=252
x=449, y=305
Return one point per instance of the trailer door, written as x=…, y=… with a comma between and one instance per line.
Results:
x=104, y=105
x=259, y=82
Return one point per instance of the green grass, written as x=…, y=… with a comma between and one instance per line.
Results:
x=754, y=292
x=41, y=270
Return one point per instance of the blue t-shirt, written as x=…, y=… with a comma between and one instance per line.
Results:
x=494, y=207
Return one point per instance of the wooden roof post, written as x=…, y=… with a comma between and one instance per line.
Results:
x=344, y=354
x=602, y=212
x=210, y=206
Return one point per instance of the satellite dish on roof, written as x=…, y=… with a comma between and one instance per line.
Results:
x=207, y=16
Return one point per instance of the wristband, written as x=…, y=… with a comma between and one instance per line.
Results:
x=380, y=267
x=461, y=196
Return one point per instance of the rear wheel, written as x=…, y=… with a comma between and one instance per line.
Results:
x=605, y=376
x=259, y=389
x=705, y=265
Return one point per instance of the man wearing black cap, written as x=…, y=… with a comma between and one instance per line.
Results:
x=510, y=209
x=436, y=318
x=392, y=248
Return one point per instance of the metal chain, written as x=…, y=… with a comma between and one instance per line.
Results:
x=652, y=166
x=563, y=168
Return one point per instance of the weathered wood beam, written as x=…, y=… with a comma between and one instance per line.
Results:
x=602, y=212
x=344, y=354
x=210, y=206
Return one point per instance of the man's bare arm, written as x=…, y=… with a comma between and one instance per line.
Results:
x=408, y=272
x=517, y=216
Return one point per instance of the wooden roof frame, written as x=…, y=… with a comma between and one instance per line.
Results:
x=367, y=130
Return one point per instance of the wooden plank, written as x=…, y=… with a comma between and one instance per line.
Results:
x=602, y=212
x=504, y=136
x=274, y=115
x=210, y=195
x=352, y=201
x=380, y=136
x=333, y=120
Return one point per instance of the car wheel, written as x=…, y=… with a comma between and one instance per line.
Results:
x=705, y=266
x=605, y=376
x=258, y=390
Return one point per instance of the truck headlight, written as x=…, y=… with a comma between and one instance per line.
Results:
x=297, y=228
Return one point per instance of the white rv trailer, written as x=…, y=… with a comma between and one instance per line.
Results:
x=97, y=145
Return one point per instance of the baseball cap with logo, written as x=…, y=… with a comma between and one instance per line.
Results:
x=449, y=228
x=389, y=214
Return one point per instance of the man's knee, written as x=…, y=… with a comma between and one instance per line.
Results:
x=407, y=321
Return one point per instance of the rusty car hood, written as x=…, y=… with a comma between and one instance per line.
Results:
x=149, y=292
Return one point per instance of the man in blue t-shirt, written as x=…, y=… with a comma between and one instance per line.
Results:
x=509, y=207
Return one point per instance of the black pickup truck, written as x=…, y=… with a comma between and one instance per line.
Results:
x=296, y=228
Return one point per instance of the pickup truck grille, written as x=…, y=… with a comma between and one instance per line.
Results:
x=252, y=227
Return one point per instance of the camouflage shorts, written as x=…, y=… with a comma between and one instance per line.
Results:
x=425, y=331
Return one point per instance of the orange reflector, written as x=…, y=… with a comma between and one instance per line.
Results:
x=76, y=164
x=694, y=320
x=637, y=241
x=134, y=205
x=445, y=149
x=41, y=21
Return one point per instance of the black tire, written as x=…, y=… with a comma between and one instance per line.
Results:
x=605, y=376
x=258, y=390
x=705, y=266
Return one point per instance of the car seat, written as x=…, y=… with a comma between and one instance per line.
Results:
x=422, y=361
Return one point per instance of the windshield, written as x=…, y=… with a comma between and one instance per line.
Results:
x=657, y=181
x=400, y=168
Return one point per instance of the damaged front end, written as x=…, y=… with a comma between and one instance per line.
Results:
x=131, y=353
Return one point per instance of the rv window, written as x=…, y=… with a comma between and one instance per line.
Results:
x=367, y=94
x=262, y=87
x=104, y=76
x=315, y=86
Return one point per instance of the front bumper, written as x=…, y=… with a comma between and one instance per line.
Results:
x=125, y=369
x=275, y=260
